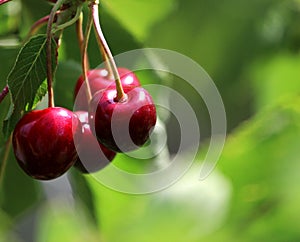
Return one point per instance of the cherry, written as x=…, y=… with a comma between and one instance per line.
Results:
x=122, y=125
x=98, y=80
x=95, y=156
x=43, y=142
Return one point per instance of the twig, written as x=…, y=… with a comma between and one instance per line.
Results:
x=4, y=93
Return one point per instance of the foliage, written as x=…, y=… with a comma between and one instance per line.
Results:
x=250, y=49
x=26, y=79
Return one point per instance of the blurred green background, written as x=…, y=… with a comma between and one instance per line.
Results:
x=251, y=51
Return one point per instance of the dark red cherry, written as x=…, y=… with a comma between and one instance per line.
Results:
x=98, y=80
x=92, y=156
x=125, y=125
x=128, y=79
x=43, y=142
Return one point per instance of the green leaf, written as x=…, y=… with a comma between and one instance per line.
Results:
x=261, y=158
x=6, y=226
x=26, y=79
x=134, y=15
x=9, y=19
x=18, y=192
x=275, y=77
x=60, y=222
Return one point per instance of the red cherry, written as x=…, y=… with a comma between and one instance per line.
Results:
x=92, y=156
x=122, y=126
x=43, y=142
x=128, y=79
x=98, y=80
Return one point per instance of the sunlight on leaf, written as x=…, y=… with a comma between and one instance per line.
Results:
x=261, y=158
x=275, y=78
x=60, y=222
x=139, y=16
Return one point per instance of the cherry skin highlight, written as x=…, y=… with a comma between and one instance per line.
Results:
x=43, y=142
x=122, y=126
x=99, y=79
x=92, y=156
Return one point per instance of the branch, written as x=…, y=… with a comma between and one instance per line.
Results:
x=3, y=94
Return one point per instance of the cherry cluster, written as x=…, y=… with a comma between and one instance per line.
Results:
x=113, y=113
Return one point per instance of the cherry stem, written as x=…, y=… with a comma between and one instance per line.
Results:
x=49, y=52
x=84, y=56
x=79, y=32
x=103, y=54
x=121, y=96
x=106, y=62
x=80, y=38
x=38, y=24
x=4, y=93
x=70, y=22
x=5, y=158
x=102, y=51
